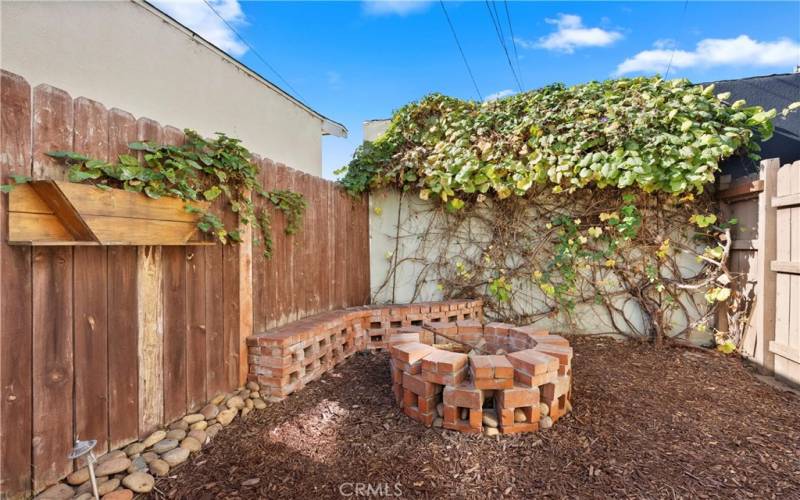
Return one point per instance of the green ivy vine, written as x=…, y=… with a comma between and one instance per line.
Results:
x=199, y=170
x=648, y=133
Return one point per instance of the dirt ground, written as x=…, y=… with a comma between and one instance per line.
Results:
x=670, y=423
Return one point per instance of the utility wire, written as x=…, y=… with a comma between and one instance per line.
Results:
x=513, y=41
x=259, y=56
x=674, y=49
x=458, y=44
x=498, y=30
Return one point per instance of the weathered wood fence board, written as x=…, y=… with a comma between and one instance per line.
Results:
x=786, y=344
x=109, y=343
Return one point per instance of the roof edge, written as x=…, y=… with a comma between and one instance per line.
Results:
x=329, y=126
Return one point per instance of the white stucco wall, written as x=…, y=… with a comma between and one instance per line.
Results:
x=394, y=227
x=126, y=56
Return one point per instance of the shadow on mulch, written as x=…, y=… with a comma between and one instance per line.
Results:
x=646, y=423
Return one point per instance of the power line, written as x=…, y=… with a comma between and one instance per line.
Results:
x=674, y=49
x=513, y=40
x=458, y=44
x=498, y=30
x=268, y=65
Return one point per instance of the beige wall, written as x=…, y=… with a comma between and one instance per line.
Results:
x=126, y=56
x=390, y=217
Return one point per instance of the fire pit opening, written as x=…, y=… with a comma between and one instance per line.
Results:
x=470, y=377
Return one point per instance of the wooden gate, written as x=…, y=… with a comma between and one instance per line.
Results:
x=786, y=343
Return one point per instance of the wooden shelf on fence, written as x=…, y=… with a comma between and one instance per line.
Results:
x=65, y=213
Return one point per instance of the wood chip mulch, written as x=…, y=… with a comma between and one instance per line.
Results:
x=646, y=423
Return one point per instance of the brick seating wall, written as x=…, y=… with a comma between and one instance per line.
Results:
x=284, y=359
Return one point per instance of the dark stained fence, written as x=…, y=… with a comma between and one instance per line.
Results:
x=109, y=343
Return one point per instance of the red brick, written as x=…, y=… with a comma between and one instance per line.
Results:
x=427, y=405
x=475, y=418
x=534, y=380
x=454, y=378
x=564, y=354
x=552, y=340
x=530, y=330
x=403, y=338
x=532, y=362
x=519, y=428
x=516, y=397
x=469, y=326
x=411, y=352
x=450, y=414
x=419, y=386
x=481, y=367
x=466, y=396
x=439, y=361
x=502, y=367
x=493, y=383
x=497, y=328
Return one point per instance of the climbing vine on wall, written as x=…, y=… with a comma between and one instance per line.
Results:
x=200, y=169
x=563, y=197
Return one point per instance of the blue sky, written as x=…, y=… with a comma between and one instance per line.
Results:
x=355, y=61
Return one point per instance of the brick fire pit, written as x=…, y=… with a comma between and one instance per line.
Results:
x=471, y=377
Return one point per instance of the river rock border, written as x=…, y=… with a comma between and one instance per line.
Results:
x=121, y=474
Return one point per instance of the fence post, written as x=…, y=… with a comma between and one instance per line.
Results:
x=245, y=295
x=764, y=315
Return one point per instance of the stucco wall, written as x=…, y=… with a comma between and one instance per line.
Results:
x=394, y=227
x=126, y=56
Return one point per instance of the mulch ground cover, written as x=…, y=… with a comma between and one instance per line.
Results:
x=646, y=423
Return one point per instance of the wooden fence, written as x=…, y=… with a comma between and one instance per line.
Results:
x=109, y=343
x=766, y=249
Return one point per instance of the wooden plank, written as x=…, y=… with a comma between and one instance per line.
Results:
x=24, y=199
x=296, y=264
x=742, y=190
x=196, y=327
x=794, y=279
x=125, y=231
x=281, y=259
x=52, y=365
x=785, y=351
x=16, y=397
x=27, y=229
x=52, y=130
x=89, y=200
x=61, y=207
x=305, y=249
x=786, y=201
x=785, y=267
x=324, y=222
x=149, y=278
x=783, y=253
x=150, y=347
x=245, y=296
x=90, y=285
x=763, y=317
x=123, y=366
x=175, y=387
x=230, y=298
x=271, y=276
x=91, y=345
x=123, y=311
x=216, y=377
x=341, y=254
x=259, y=262
x=52, y=305
x=175, y=315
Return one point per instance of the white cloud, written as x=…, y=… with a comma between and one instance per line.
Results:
x=739, y=51
x=570, y=35
x=334, y=79
x=198, y=17
x=498, y=95
x=394, y=7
